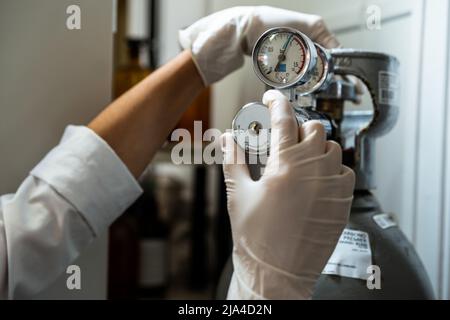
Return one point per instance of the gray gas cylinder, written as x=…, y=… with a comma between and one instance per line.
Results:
x=403, y=275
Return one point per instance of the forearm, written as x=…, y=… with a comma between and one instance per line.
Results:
x=136, y=124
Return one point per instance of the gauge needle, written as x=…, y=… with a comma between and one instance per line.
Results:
x=282, y=55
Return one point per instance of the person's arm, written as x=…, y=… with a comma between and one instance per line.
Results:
x=136, y=124
x=69, y=198
x=86, y=182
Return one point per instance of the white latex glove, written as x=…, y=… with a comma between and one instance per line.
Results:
x=219, y=41
x=286, y=225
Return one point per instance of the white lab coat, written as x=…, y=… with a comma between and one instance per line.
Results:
x=71, y=196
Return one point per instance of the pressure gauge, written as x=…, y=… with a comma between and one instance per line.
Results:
x=284, y=57
x=251, y=128
x=321, y=74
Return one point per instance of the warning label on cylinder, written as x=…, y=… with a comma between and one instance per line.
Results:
x=388, y=88
x=351, y=257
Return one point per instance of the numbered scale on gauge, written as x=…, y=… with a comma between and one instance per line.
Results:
x=284, y=58
x=320, y=76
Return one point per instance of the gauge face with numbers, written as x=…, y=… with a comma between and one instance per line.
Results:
x=282, y=57
x=320, y=75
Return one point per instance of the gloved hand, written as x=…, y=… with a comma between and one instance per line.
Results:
x=285, y=226
x=219, y=41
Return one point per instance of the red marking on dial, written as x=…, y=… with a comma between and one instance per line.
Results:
x=302, y=55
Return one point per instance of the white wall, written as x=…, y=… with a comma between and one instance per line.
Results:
x=51, y=77
x=431, y=195
x=174, y=15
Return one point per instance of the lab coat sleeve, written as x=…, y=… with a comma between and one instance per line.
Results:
x=69, y=198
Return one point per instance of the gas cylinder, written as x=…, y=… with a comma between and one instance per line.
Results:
x=401, y=274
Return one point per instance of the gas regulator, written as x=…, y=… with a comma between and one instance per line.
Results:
x=316, y=83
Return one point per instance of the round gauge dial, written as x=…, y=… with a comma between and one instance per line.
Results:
x=282, y=57
x=251, y=128
x=320, y=75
